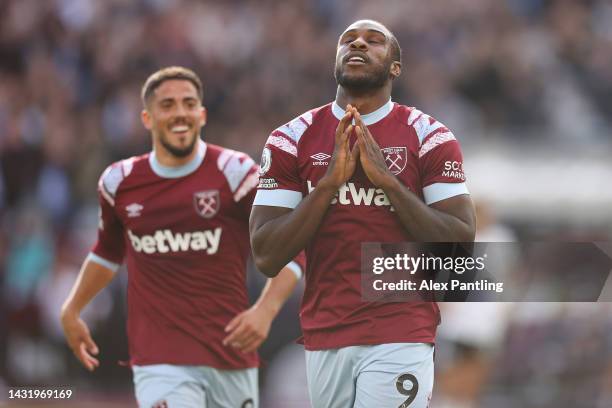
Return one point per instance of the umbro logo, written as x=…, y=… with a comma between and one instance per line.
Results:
x=320, y=159
x=133, y=210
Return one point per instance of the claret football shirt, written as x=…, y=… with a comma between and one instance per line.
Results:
x=183, y=233
x=423, y=154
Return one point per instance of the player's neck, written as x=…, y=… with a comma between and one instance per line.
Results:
x=167, y=159
x=364, y=102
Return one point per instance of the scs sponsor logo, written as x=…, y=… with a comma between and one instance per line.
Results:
x=453, y=169
x=164, y=241
x=350, y=194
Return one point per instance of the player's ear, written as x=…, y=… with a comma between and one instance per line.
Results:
x=145, y=117
x=204, y=115
x=396, y=69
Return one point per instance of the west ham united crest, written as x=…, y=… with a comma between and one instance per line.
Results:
x=207, y=203
x=396, y=158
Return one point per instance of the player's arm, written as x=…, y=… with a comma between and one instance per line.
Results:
x=448, y=220
x=97, y=271
x=277, y=233
x=92, y=278
x=248, y=330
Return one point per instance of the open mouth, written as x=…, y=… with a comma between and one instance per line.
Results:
x=179, y=129
x=355, y=59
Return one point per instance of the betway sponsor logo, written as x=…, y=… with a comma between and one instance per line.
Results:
x=350, y=194
x=163, y=241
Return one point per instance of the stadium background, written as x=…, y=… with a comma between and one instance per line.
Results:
x=525, y=85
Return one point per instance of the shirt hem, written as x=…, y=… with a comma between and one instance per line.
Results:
x=373, y=342
x=146, y=362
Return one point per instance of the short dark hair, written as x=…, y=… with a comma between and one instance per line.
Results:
x=166, y=74
x=396, y=51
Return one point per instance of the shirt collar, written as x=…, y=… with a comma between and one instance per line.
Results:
x=178, y=171
x=370, y=118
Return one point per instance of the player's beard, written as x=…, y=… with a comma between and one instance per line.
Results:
x=363, y=82
x=179, y=152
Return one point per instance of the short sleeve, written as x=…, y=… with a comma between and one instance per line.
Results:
x=109, y=248
x=279, y=182
x=440, y=161
x=242, y=175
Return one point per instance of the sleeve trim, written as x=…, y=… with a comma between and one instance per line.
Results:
x=295, y=268
x=102, y=188
x=101, y=261
x=278, y=198
x=441, y=191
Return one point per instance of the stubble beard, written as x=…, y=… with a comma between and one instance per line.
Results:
x=179, y=152
x=364, y=82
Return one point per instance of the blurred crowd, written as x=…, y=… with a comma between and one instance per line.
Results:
x=535, y=72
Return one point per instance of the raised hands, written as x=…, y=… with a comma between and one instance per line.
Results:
x=366, y=150
x=370, y=156
x=344, y=159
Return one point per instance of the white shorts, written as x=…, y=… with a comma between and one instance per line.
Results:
x=393, y=375
x=174, y=386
